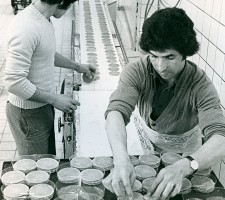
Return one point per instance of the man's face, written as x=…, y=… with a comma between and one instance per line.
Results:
x=167, y=63
x=60, y=12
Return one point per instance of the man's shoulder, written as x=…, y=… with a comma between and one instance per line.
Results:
x=196, y=70
x=139, y=62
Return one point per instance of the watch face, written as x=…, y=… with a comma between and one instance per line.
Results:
x=194, y=164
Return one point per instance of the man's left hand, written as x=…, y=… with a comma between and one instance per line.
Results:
x=89, y=70
x=168, y=182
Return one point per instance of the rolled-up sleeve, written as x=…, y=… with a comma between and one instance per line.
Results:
x=125, y=97
x=210, y=114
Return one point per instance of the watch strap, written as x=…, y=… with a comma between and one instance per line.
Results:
x=191, y=159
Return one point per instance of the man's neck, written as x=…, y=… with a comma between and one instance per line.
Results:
x=45, y=9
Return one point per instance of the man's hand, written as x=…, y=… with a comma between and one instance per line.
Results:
x=65, y=103
x=121, y=179
x=169, y=180
x=87, y=69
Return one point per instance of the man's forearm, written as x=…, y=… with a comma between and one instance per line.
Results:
x=42, y=97
x=211, y=152
x=62, y=61
x=117, y=135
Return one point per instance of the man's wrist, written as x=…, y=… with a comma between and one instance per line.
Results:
x=118, y=159
x=184, y=166
x=77, y=66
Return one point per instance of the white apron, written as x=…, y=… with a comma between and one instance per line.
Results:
x=186, y=142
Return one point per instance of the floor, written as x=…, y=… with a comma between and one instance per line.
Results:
x=63, y=27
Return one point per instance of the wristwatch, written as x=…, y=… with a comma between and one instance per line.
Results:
x=193, y=163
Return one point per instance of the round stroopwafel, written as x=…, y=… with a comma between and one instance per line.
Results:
x=25, y=165
x=92, y=176
x=205, y=172
x=68, y=175
x=81, y=163
x=41, y=191
x=149, y=159
x=136, y=196
x=37, y=177
x=202, y=184
x=16, y=191
x=144, y=171
x=13, y=177
x=170, y=158
x=147, y=183
x=47, y=164
x=136, y=186
x=134, y=160
x=186, y=186
x=103, y=163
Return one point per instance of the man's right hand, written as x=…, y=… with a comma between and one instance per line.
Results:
x=65, y=103
x=121, y=179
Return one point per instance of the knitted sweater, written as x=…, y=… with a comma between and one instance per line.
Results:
x=30, y=57
x=195, y=100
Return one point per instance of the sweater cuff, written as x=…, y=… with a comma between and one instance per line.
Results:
x=28, y=91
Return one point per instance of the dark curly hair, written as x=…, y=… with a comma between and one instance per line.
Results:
x=169, y=28
x=63, y=4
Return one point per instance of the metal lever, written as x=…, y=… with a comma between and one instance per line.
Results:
x=60, y=124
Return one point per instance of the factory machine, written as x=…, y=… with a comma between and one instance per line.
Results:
x=93, y=42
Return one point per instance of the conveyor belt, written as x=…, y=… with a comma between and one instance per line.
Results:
x=97, y=46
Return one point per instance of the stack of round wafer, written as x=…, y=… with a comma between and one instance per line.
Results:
x=134, y=160
x=202, y=184
x=147, y=183
x=149, y=159
x=137, y=186
x=68, y=175
x=144, y=171
x=170, y=158
x=92, y=176
x=16, y=191
x=47, y=164
x=25, y=165
x=37, y=177
x=13, y=177
x=81, y=163
x=186, y=186
x=41, y=191
x=103, y=163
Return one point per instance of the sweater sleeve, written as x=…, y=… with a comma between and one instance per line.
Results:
x=22, y=41
x=125, y=97
x=210, y=114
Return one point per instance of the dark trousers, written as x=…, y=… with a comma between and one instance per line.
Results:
x=32, y=129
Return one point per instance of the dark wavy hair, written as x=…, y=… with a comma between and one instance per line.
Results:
x=169, y=28
x=63, y=4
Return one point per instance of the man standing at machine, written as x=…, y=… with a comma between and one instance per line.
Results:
x=177, y=104
x=29, y=76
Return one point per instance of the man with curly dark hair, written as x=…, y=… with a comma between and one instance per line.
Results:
x=178, y=107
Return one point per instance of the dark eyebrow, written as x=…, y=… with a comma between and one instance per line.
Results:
x=167, y=56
